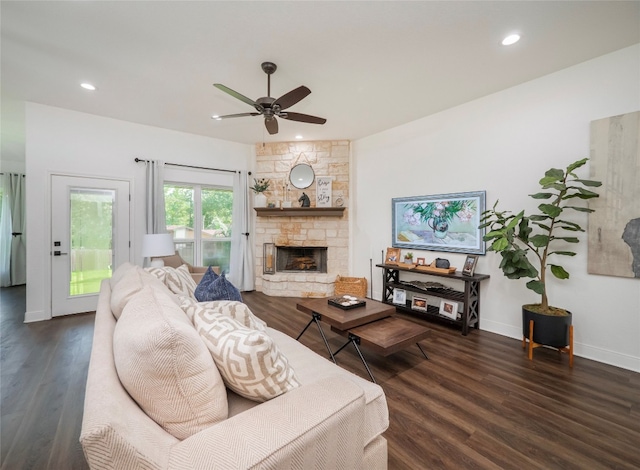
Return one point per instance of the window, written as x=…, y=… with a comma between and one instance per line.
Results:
x=199, y=218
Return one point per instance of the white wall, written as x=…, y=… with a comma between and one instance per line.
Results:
x=67, y=142
x=503, y=143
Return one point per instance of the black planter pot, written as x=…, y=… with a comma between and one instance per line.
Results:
x=548, y=330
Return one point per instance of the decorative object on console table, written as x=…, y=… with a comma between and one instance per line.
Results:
x=400, y=296
x=516, y=236
x=468, y=299
x=157, y=244
x=323, y=191
x=442, y=222
x=419, y=303
x=260, y=185
x=449, y=309
x=269, y=258
x=420, y=262
x=408, y=258
x=304, y=200
x=393, y=256
x=470, y=265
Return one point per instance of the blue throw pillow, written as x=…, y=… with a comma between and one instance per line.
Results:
x=220, y=289
x=203, y=287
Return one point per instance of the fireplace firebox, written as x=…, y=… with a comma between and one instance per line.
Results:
x=301, y=259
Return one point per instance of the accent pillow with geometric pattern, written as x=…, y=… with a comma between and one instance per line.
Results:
x=249, y=361
x=203, y=286
x=231, y=308
x=179, y=281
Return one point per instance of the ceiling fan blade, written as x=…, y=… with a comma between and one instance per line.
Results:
x=303, y=118
x=227, y=116
x=271, y=125
x=237, y=95
x=291, y=98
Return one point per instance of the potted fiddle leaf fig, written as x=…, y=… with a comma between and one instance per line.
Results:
x=530, y=244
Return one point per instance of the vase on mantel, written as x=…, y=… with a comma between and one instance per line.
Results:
x=260, y=200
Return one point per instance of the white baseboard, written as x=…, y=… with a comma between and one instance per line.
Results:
x=39, y=315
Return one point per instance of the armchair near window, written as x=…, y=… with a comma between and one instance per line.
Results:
x=175, y=261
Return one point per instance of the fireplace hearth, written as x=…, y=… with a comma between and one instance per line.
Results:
x=306, y=259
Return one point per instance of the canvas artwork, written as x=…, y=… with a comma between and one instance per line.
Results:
x=441, y=222
x=614, y=227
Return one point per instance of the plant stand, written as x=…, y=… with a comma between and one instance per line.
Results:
x=532, y=345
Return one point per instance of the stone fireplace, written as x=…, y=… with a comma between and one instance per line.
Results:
x=310, y=274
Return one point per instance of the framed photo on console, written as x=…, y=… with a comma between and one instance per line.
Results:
x=400, y=296
x=419, y=303
x=393, y=256
x=449, y=308
x=470, y=265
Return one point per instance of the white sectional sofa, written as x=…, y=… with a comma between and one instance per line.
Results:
x=333, y=420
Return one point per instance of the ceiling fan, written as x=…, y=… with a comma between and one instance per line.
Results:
x=270, y=107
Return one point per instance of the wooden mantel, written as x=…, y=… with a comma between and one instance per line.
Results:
x=300, y=211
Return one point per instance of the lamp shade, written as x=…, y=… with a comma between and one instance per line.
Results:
x=157, y=244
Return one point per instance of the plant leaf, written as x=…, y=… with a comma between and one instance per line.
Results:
x=567, y=239
x=541, y=195
x=559, y=272
x=591, y=183
x=576, y=165
x=550, y=210
x=539, y=240
x=536, y=286
x=538, y=217
x=565, y=253
x=580, y=209
x=554, y=185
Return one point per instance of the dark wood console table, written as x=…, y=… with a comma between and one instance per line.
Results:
x=470, y=297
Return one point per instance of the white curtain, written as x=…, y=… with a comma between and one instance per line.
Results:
x=156, y=220
x=13, y=250
x=241, y=266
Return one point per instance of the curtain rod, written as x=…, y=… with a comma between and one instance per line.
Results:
x=21, y=174
x=191, y=166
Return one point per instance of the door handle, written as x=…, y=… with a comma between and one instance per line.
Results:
x=57, y=253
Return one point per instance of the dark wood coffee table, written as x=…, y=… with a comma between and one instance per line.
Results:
x=371, y=326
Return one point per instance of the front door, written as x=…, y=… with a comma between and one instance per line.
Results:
x=89, y=238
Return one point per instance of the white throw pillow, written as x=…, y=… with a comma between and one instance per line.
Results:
x=166, y=368
x=179, y=281
x=248, y=360
x=231, y=308
x=130, y=284
x=120, y=272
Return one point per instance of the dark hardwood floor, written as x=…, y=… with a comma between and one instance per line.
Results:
x=477, y=403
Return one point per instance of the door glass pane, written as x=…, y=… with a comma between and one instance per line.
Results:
x=216, y=253
x=91, y=244
x=217, y=209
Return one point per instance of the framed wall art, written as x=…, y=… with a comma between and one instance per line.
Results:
x=442, y=222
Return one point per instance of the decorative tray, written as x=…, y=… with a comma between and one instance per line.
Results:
x=347, y=302
x=433, y=269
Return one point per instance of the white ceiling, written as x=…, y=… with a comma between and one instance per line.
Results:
x=370, y=65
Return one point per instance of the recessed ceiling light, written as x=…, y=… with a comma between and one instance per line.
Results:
x=511, y=39
x=298, y=137
x=88, y=86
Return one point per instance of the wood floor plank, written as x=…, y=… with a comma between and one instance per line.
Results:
x=478, y=403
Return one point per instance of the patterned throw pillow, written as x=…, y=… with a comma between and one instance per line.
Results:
x=248, y=360
x=160, y=273
x=220, y=289
x=179, y=281
x=201, y=291
x=166, y=368
x=236, y=310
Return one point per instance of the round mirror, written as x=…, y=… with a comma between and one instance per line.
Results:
x=301, y=176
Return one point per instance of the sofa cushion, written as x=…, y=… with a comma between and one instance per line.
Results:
x=120, y=271
x=248, y=360
x=312, y=368
x=165, y=367
x=236, y=310
x=203, y=286
x=131, y=282
x=179, y=280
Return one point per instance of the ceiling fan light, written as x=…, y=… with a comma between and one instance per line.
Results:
x=511, y=39
x=216, y=117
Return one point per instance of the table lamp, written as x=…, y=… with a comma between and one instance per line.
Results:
x=157, y=244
